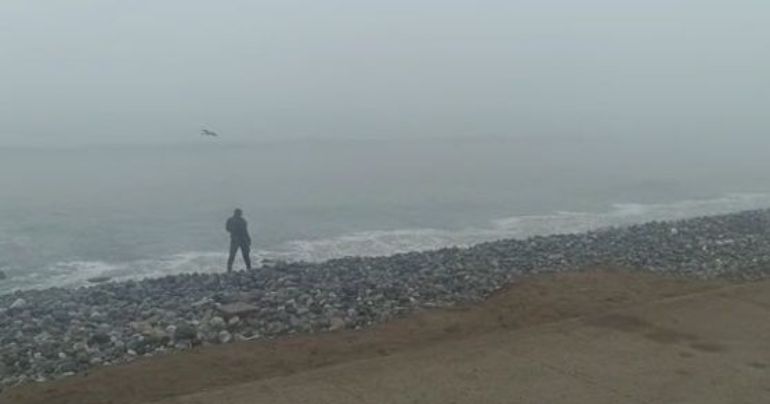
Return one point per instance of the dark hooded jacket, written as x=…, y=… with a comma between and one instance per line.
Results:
x=238, y=229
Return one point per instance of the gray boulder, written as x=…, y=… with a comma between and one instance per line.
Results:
x=185, y=332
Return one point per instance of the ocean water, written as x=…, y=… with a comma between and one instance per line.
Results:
x=71, y=213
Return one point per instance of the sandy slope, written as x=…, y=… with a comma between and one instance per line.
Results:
x=599, y=336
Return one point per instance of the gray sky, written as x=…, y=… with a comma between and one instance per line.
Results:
x=113, y=71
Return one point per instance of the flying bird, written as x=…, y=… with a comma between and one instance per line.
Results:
x=206, y=132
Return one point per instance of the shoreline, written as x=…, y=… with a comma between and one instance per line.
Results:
x=372, y=241
x=52, y=333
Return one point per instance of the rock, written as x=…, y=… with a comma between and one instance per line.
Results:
x=185, y=332
x=247, y=335
x=18, y=304
x=203, y=302
x=674, y=231
x=182, y=345
x=225, y=337
x=239, y=309
x=99, y=279
x=268, y=263
x=233, y=321
x=99, y=339
x=141, y=327
x=336, y=324
x=68, y=366
x=83, y=357
x=156, y=336
x=3, y=275
x=217, y=323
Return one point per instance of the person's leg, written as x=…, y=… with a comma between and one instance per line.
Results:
x=246, y=250
x=231, y=258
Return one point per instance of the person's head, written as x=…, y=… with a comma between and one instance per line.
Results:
x=238, y=213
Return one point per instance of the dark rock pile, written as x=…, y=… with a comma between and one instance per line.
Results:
x=57, y=332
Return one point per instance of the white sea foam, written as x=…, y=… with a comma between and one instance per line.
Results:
x=377, y=243
x=374, y=243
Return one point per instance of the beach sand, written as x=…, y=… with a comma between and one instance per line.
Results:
x=597, y=299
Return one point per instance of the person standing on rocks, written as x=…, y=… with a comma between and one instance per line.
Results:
x=239, y=239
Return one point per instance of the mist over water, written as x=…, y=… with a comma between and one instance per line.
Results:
x=68, y=214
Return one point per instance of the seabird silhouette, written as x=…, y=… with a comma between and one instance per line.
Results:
x=206, y=132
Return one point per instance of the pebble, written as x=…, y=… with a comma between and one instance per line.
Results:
x=217, y=323
x=225, y=337
x=99, y=279
x=336, y=323
x=185, y=332
x=18, y=304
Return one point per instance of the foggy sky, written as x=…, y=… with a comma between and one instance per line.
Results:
x=113, y=71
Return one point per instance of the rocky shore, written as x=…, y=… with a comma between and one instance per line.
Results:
x=54, y=333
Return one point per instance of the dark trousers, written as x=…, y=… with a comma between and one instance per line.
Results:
x=245, y=249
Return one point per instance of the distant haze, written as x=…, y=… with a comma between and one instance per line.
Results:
x=109, y=71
